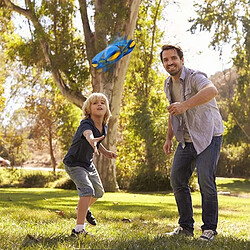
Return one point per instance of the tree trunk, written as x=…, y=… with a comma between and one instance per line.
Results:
x=110, y=84
x=51, y=151
x=115, y=95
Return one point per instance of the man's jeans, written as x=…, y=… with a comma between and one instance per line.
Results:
x=184, y=163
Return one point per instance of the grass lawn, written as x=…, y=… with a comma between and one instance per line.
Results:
x=30, y=219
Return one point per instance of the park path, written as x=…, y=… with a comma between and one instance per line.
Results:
x=38, y=168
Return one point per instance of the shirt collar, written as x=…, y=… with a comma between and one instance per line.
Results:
x=183, y=73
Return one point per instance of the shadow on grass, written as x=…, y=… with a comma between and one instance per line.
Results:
x=142, y=233
x=67, y=200
x=50, y=241
x=165, y=242
x=137, y=241
x=36, y=199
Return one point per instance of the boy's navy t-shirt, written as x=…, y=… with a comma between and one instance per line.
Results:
x=81, y=152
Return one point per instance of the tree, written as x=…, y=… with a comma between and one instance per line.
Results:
x=4, y=135
x=54, y=47
x=42, y=109
x=228, y=21
x=2, y=99
x=15, y=138
x=144, y=166
x=2, y=80
x=54, y=119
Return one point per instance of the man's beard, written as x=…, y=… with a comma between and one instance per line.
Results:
x=176, y=72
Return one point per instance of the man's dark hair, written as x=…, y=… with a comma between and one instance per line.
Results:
x=168, y=46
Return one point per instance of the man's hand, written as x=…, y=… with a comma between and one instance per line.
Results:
x=207, y=93
x=167, y=147
x=177, y=108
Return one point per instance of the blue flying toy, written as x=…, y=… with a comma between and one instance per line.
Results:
x=113, y=53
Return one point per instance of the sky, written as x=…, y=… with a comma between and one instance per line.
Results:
x=197, y=53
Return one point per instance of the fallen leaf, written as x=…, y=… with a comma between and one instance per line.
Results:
x=61, y=213
x=126, y=220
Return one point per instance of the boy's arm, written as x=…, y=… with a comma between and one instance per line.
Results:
x=107, y=153
x=92, y=140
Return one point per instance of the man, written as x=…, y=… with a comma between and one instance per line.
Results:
x=195, y=121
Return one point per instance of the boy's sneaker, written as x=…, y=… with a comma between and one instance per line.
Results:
x=75, y=233
x=207, y=235
x=180, y=231
x=90, y=218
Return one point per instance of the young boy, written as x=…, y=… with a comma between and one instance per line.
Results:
x=78, y=162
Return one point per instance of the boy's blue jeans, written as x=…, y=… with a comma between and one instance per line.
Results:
x=182, y=169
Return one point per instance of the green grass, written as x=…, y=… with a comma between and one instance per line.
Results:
x=235, y=186
x=30, y=220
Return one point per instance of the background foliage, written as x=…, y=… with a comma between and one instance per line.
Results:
x=143, y=119
x=141, y=165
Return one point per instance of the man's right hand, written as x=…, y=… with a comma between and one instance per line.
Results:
x=167, y=148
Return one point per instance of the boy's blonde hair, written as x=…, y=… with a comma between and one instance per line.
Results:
x=91, y=99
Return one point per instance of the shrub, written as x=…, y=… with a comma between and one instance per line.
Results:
x=234, y=161
x=10, y=177
x=36, y=180
x=150, y=182
x=64, y=183
x=157, y=182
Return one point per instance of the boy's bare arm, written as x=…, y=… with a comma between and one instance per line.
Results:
x=92, y=140
x=107, y=153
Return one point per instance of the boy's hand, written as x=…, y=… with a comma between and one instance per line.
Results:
x=93, y=142
x=110, y=155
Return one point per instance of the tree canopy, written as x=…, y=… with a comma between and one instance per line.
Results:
x=228, y=22
x=55, y=46
x=47, y=65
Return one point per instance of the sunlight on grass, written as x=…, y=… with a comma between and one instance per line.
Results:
x=233, y=185
x=31, y=219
